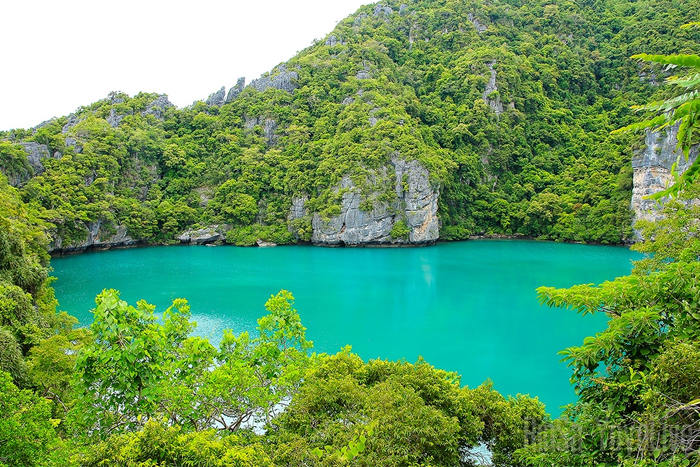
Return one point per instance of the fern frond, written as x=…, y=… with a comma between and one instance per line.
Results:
x=678, y=60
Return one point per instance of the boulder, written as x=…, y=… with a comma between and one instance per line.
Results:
x=201, y=236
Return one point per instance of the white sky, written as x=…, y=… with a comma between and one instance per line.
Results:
x=60, y=55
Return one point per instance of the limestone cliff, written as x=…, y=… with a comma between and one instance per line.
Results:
x=415, y=205
x=98, y=237
x=652, y=171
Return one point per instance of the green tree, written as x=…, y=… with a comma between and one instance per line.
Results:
x=118, y=375
x=683, y=109
x=27, y=435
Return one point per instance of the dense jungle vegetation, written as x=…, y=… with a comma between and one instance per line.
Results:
x=508, y=104
x=138, y=388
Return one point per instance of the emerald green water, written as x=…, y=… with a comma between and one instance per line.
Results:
x=469, y=307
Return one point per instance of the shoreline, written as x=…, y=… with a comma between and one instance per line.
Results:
x=144, y=243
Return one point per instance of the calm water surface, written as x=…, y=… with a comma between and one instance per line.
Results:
x=469, y=307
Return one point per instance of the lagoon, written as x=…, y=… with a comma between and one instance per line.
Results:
x=469, y=307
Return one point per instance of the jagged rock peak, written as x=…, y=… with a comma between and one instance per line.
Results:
x=158, y=106
x=236, y=90
x=218, y=98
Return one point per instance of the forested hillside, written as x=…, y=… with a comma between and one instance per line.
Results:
x=465, y=118
x=407, y=122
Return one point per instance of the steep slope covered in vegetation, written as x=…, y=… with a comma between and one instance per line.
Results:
x=505, y=107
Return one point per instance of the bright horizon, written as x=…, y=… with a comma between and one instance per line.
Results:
x=64, y=55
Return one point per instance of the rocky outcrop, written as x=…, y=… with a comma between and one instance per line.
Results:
x=262, y=243
x=364, y=73
x=383, y=10
x=280, y=78
x=415, y=205
x=652, y=171
x=333, y=40
x=203, y=236
x=236, y=90
x=158, y=107
x=218, y=98
x=269, y=127
x=490, y=95
x=35, y=153
x=98, y=237
x=479, y=27
x=114, y=119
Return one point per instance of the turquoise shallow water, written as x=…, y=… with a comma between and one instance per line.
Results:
x=469, y=307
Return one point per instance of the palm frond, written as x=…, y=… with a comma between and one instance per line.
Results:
x=678, y=60
x=689, y=81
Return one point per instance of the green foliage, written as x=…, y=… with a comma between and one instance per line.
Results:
x=118, y=374
x=636, y=380
x=683, y=109
x=138, y=369
x=674, y=236
x=11, y=360
x=157, y=444
x=27, y=436
x=532, y=157
x=400, y=230
x=13, y=162
x=417, y=415
x=249, y=235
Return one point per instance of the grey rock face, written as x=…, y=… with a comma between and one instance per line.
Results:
x=402, y=8
x=72, y=121
x=35, y=153
x=383, y=10
x=359, y=18
x=158, y=106
x=236, y=90
x=652, y=171
x=201, y=236
x=416, y=205
x=491, y=87
x=479, y=27
x=218, y=98
x=332, y=41
x=43, y=124
x=95, y=239
x=114, y=118
x=298, y=209
x=70, y=141
x=269, y=128
x=281, y=78
x=364, y=73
